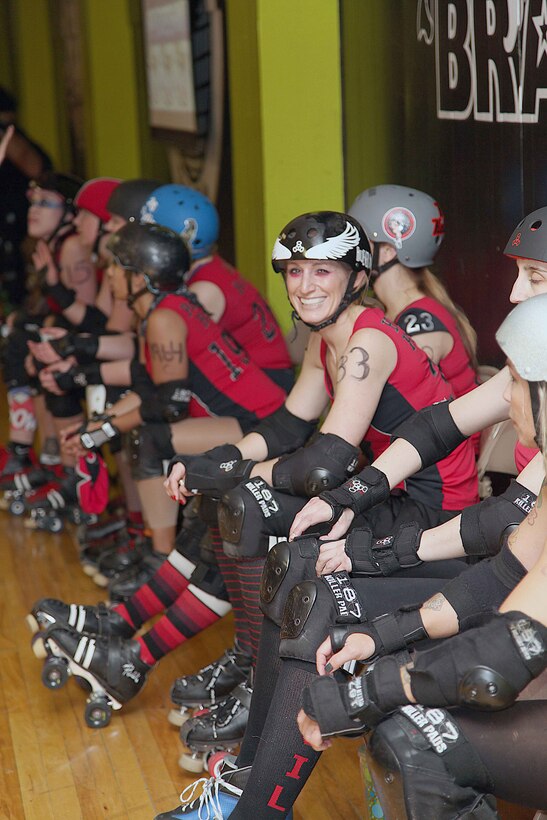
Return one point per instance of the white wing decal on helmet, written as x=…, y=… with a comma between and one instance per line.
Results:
x=337, y=246
x=280, y=251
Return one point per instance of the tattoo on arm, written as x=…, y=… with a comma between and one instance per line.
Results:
x=365, y=369
x=342, y=368
x=436, y=602
x=167, y=353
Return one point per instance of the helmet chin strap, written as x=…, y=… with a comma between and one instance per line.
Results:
x=132, y=297
x=349, y=296
x=377, y=269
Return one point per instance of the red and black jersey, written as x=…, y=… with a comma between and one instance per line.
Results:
x=247, y=316
x=427, y=315
x=222, y=379
x=524, y=455
x=416, y=382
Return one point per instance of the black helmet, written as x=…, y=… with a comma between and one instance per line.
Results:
x=325, y=235
x=129, y=197
x=156, y=252
x=529, y=239
x=66, y=185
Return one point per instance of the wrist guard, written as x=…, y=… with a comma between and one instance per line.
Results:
x=79, y=377
x=485, y=667
x=65, y=297
x=96, y=438
x=216, y=471
x=324, y=463
x=356, y=705
x=367, y=489
x=284, y=432
x=483, y=526
x=84, y=348
x=390, y=632
x=432, y=432
x=383, y=556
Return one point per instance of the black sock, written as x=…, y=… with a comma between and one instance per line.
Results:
x=283, y=761
x=267, y=671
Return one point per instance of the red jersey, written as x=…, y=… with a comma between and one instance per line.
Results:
x=247, y=316
x=427, y=315
x=416, y=382
x=222, y=379
x=524, y=455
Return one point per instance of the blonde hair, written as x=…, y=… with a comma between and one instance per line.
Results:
x=540, y=421
x=431, y=286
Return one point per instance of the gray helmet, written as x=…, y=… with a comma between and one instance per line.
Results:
x=129, y=197
x=406, y=218
x=523, y=338
x=529, y=239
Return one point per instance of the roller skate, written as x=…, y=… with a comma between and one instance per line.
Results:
x=209, y=685
x=95, y=620
x=219, y=728
x=128, y=553
x=110, y=666
x=14, y=458
x=122, y=586
x=215, y=797
x=52, y=502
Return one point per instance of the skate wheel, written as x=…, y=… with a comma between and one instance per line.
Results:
x=215, y=760
x=38, y=646
x=32, y=623
x=17, y=506
x=100, y=580
x=178, y=716
x=89, y=569
x=194, y=762
x=55, y=524
x=55, y=672
x=97, y=713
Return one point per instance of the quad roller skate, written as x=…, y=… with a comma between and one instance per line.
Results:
x=197, y=692
x=111, y=668
x=51, y=503
x=215, y=798
x=219, y=728
x=124, y=585
x=128, y=553
x=14, y=459
x=96, y=620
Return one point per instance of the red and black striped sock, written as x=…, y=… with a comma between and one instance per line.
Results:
x=228, y=569
x=250, y=576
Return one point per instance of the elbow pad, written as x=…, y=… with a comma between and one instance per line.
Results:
x=173, y=399
x=483, y=526
x=483, y=587
x=324, y=463
x=485, y=667
x=432, y=432
x=84, y=348
x=65, y=297
x=94, y=321
x=284, y=432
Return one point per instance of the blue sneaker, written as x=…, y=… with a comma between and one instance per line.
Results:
x=210, y=799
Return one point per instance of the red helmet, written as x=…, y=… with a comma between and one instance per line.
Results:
x=94, y=195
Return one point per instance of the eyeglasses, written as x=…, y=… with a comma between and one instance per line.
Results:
x=40, y=202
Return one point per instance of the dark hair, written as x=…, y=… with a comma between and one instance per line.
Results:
x=7, y=100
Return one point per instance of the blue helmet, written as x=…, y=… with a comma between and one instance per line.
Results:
x=187, y=212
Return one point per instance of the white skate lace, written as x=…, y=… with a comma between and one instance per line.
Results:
x=209, y=799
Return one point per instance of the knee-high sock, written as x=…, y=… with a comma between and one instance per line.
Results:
x=228, y=569
x=250, y=576
x=283, y=762
x=193, y=611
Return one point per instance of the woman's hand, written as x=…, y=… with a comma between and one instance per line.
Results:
x=43, y=351
x=358, y=647
x=42, y=258
x=333, y=558
x=318, y=511
x=310, y=731
x=174, y=484
x=70, y=442
x=47, y=375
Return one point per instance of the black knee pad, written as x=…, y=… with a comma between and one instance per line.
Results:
x=250, y=513
x=14, y=354
x=64, y=407
x=150, y=447
x=287, y=564
x=312, y=608
x=208, y=510
x=418, y=761
x=207, y=578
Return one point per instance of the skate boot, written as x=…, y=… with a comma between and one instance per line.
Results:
x=216, y=729
x=111, y=666
x=215, y=797
x=95, y=620
x=52, y=501
x=91, y=554
x=14, y=458
x=104, y=527
x=122, y=586
x=209, y=685
x=17, y=485
x=130, y=552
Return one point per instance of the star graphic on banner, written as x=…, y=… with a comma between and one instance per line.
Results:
x=540, y=22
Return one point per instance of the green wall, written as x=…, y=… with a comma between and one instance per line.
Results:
x=286, y=111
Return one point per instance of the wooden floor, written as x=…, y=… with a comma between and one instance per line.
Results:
x=52, y=766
